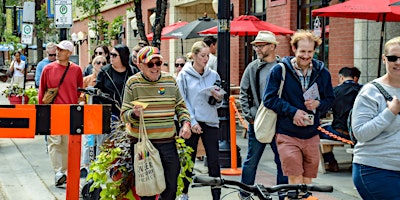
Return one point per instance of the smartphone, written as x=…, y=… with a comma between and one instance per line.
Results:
x=311, y=117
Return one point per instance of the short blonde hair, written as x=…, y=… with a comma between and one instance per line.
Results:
x=391, y=42
x=302, y=34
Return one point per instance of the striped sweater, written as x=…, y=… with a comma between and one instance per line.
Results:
x=164, y=101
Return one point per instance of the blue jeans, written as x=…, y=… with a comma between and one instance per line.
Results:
x=254, y=153
x=375, y=183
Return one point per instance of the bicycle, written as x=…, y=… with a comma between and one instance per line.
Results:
x=291, y=191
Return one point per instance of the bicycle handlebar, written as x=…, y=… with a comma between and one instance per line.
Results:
x=96, y=92
x=259, y=189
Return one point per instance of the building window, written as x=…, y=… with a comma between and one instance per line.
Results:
x=258, y=9
x=276, y=2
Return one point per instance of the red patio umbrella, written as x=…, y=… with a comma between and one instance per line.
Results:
x=168, y=29
x=248, y=25
x=379, y=11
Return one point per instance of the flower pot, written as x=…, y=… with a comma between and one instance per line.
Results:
x=17, y=99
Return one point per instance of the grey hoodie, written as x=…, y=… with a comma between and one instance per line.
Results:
x=190, y=83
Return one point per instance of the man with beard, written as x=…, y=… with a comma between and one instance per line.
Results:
x=251, y=93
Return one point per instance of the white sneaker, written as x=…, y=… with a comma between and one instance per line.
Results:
x=183, y=197
x=60, y=179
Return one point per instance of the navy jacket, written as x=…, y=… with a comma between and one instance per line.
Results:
x=292, y=97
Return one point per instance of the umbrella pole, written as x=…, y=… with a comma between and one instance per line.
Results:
x=246, y=50
x=381, y=45
x=182, y=47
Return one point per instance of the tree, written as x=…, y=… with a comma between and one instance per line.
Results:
x=43, y=27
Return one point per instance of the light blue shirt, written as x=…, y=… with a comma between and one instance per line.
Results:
x=39, y=69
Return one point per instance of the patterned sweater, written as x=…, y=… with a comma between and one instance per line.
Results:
x=164, y=101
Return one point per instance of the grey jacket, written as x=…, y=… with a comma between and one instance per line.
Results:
x=249, y=97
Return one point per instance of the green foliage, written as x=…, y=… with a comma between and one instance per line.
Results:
x=32, y=94
x=185, y=161
x=14, y=89
x=116, y=27
x=43, y=23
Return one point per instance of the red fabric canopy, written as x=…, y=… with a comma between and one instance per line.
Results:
x=248, y=25
x=168, y=29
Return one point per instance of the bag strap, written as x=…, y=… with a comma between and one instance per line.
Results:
x=283, y=79
x=142, y=128
x=63, y=76
x=258, y=81
x=385, y=94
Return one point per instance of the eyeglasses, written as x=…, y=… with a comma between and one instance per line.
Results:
x=98, y=53
x=179, y=64
x=99, y=62
x=151, y=64
x=392, y=58
x=114, y=55
x=52, y=54
x=255, y=47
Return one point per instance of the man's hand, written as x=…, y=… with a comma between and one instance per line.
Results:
x=311, y=104
x=185, y=131
x=300, y=117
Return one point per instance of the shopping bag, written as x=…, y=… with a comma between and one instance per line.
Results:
x=50, y=95
x=149, y=172
x=265, y=120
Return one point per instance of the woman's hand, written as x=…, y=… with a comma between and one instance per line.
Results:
x=394, y=105
x=197, y=129
x=217, y=96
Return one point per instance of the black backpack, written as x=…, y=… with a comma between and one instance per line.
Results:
x=87, y=195
x=385, y=94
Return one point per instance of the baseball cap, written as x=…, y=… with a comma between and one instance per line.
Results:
x=147, y=53
x=265, y=36
x=66, y=45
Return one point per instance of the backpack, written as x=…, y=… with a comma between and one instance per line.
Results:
x=387, y=97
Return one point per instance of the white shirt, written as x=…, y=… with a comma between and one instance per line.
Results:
x=20, y=67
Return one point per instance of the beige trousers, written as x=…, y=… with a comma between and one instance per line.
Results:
x=58, y=151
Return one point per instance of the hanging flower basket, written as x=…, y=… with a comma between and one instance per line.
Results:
x=14, y=99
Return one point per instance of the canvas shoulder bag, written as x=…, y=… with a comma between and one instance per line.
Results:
x=51, y=93
x=149, y=172
x=265, y=120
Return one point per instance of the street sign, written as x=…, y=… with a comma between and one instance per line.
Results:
x=63, y=13
x=29, y=12
x=27, y=34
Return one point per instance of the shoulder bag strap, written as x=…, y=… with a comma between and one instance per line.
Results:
x=258, y=82
x=387, y=96
x=63, y=76
x=283, y=79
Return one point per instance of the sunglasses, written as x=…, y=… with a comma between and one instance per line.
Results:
x=179, y=64
x=99, y=62
x=98, y=53
x=53, y=54
x=392, y=58
x=260, y=46
x=114, y=55
x=151, y=64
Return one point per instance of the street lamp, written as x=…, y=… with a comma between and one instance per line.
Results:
x=223, y=63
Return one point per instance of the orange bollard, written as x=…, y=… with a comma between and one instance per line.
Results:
x=233, y=170
x=74, y=165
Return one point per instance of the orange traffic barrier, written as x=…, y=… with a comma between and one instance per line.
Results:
x=233, y=170
x=24, y=121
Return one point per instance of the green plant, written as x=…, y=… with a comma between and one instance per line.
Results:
x=113, y=170
x=15, y=90
x=116, y=25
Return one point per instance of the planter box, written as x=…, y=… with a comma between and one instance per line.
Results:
x=17, y=99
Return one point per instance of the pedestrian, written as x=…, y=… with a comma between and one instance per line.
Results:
x=307, y=93
x=192, y=79
x=252, y=87
x=101, y=50
x=112, y=78
x=90, y=81
x=67, y=94
x=375, y=124
x=18, y=68
x=165, y=67
x=51, y=49
x=133, y=56
x=345, y=94
x=156, y=88
x=180, y=61
x=356, y=74
x=211, y=42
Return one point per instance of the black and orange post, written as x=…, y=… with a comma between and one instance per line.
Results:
x=26, y=121
x=233, y=170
